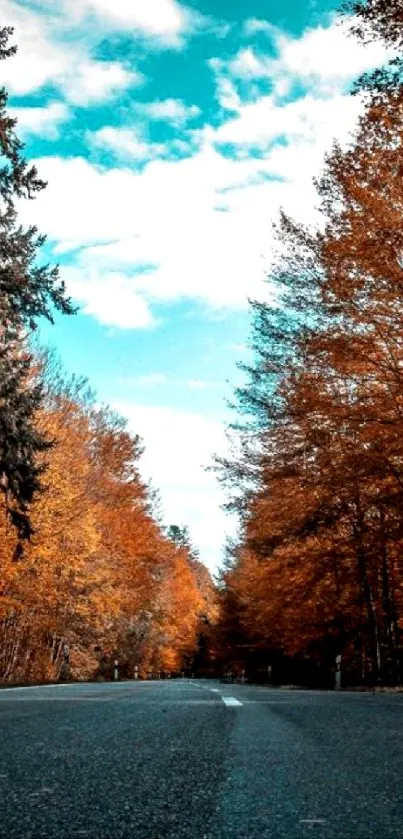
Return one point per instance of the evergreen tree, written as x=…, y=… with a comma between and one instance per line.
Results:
x=181, y=538
x=28, y=291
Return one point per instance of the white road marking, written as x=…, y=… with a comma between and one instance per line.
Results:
x=38, y=687
x=214, y=690
x=230, y=701
x=96, y=685
x=63, y=699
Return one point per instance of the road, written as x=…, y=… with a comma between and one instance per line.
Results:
x=199, y=760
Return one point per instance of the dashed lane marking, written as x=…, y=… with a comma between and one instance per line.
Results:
x=230, y=701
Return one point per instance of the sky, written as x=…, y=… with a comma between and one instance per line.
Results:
x=170, y=135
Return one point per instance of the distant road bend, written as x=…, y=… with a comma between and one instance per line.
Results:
x=199, y=760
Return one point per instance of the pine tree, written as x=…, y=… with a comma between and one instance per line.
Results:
x=28, y=291
x=181, y=538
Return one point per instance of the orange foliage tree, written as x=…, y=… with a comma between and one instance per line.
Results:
x=99, y=579
x=318, y=474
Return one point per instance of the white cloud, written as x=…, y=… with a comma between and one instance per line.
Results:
x=326, y=58
x=254, y=25
x=38, y=60
x=97, y=81
x=45, y=121
x=110, y=298
x=155, y=17
x=226, y=93
x=197, y=228
x=43, y=58
x=170, y=110
x=163, y=217
x=178, y=447
x=163, y=22
x=125, y=143
x=311, y=119
x=133, y=143
x=328, y=55
x=247, y=65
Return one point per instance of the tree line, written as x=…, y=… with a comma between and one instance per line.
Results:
x=89, y=573
x=317, y=467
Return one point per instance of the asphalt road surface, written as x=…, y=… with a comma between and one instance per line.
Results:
x=199, y=760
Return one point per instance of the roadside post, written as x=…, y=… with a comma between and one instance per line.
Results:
x=66, y=660
x=337, y=679
x=115, y=670
x=136, y=672
x=269, y=669
x=243, y=677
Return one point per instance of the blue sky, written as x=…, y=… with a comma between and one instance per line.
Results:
x=170, y=135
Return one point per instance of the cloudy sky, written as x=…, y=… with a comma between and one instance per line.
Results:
x=170, y=134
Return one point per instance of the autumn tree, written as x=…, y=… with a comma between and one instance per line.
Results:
x=319, y=456
x=100, y=578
